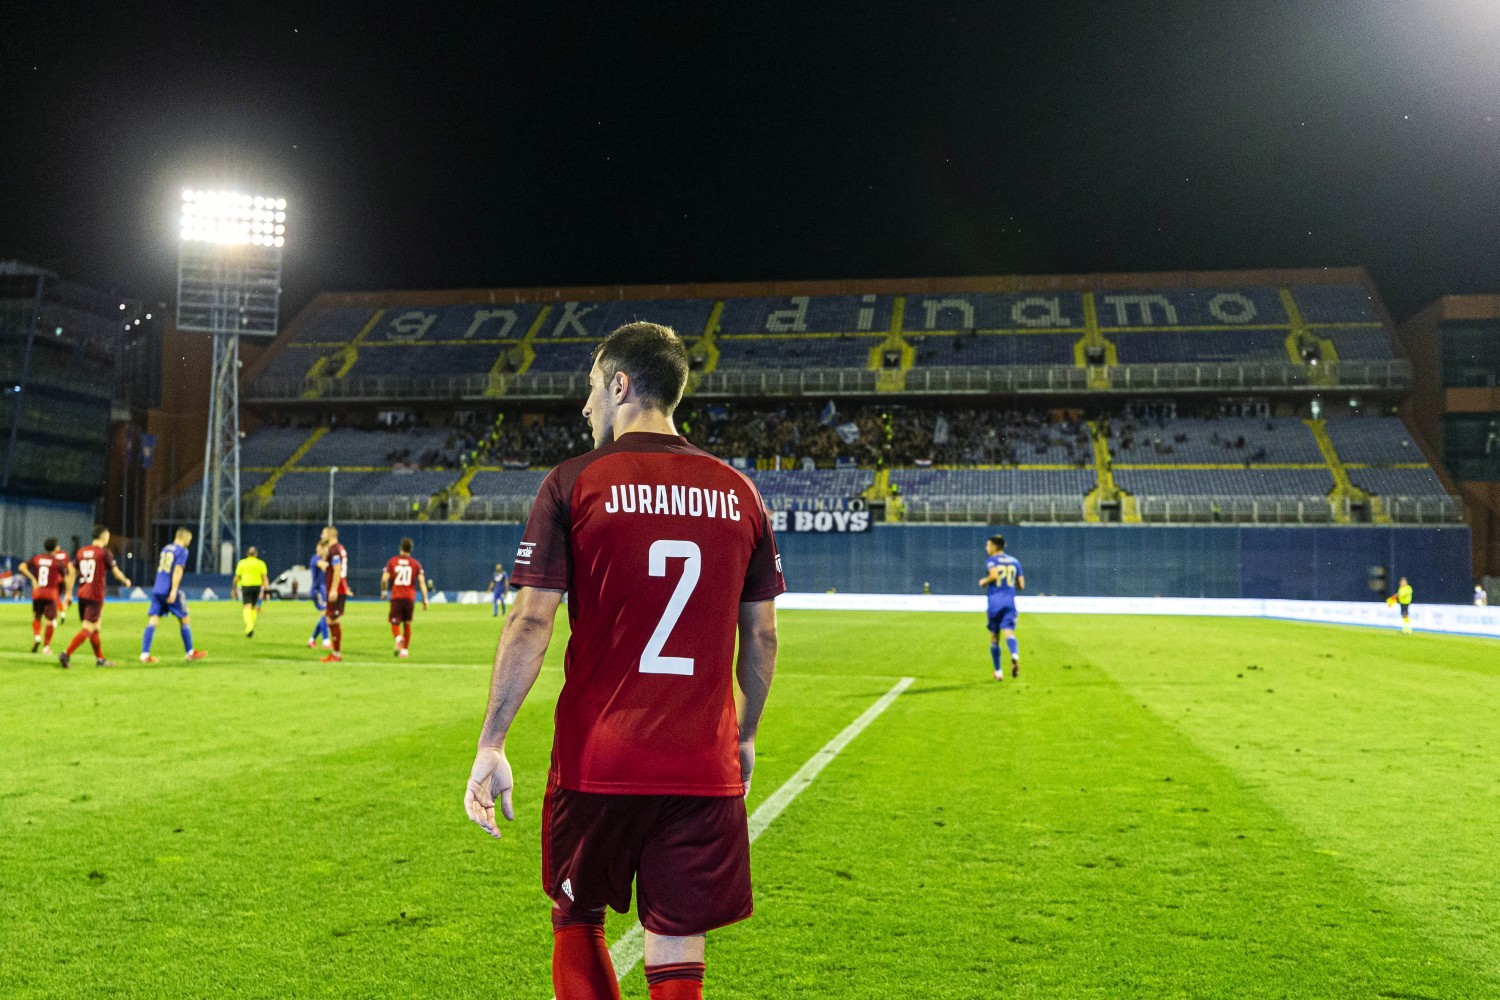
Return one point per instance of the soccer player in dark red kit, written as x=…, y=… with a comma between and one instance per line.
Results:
x=403, y=575
x=665, y=554
x=51, y=576
x=94, y=564
x=338, y=591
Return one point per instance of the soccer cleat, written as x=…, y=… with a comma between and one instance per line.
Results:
x=36, y=643
x=63, y=659
x=47, y=650
x=332, y=658
x=1015, y=666
x=197, y=654
x=100, y=661
x=250, y=634
x=327, y=643
x=999, y=675
x=148, y=658
x=401, y=653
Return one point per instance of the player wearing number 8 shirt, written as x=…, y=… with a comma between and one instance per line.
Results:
x=665, y=554
x=51, y=576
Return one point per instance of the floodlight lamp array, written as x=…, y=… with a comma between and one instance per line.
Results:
x=231, y=217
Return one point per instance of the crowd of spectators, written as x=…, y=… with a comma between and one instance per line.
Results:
x=1149, y=428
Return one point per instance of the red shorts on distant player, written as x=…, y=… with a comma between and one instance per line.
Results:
x=44, y=607
x=90, y=610
x=689, y=856
x=335, y=609
x=402, y=608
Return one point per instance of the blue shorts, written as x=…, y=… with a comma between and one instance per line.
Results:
x=319, y=599
x=159, y=606
x=1002, y=618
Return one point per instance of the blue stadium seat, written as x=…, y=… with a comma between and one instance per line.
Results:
x=809, y=314
x=779, y=486
x=1398, y=482
x=993, y=311
x=993, y=349
x=1189, y=307
x=796, y=352
x=348, y=447
x=518, y=484
x=338, y=325
x=1374, y=440
x=1224, y=482
x=596, y=320
x=992, y=484
x=1283, y=439
x=569, y=356
x=1334, y=304
x=1167, y=346
x=270, y=446
x=293, y=361
x=423, y=361
x=1361, y=345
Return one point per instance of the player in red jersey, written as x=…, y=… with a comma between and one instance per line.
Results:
x=338, y=591
x=402, y=576
x=665, y=554
x=51, y=576
x=94, y=563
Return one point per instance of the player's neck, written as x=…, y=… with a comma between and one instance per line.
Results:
x=633, y=419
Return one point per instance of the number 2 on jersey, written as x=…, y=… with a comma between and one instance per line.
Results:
x=652, y=662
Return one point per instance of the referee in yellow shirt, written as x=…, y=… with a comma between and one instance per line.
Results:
x=250, y=575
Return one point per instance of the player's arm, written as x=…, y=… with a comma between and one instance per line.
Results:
x=754, y=670
x=119, y=574
x=26, y=572
x=518, y=662
x=176, y=582
x=1020, y=583
x=993, y=576
x=422, y=582
x=234, y=585
x=68, y=583
x=385, y=580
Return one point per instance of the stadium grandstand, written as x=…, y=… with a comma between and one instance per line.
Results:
x=1247, y=398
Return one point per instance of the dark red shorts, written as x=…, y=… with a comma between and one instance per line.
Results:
x=44, y=607
x=689, y=856
x=335, y=609
x=90, y=609
x=402, y=609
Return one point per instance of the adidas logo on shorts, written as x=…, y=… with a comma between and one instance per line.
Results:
x=567, y=888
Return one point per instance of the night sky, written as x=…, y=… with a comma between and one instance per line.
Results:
x=495, y=144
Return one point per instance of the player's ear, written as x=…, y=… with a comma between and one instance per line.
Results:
x=619, y=387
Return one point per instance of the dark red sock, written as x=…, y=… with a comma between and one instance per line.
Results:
x=581, y=967
x=77, y=640
x=395, y=630
x=98, y=646
x=48, y=640
x=675, y=981
x=406, y=635
x=337, y=632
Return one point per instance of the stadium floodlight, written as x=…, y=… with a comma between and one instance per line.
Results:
x=228, y=286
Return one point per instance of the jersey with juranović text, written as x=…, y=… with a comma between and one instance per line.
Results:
x=172, y=556
x=657, y=544
x=51, y=572
x=403, y=571
x=1002, y=590
x=95, y=564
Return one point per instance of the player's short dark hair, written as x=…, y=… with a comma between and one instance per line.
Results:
x=100, y=530
x=653, y=356
x=49, y=545
x=998, y=541
x=406, y=544
x=251, y=553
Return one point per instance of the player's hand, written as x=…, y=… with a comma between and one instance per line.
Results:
x=424, y=605
x=747, y=763
x=128, y=583
x=489, y=778
x=172, y=597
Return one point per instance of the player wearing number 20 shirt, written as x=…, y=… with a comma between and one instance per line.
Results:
x=665, y=554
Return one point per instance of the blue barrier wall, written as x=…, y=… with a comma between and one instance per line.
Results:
x=1321, y=563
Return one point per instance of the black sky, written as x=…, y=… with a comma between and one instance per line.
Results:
x=470, y=145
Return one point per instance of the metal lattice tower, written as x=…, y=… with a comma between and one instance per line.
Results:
x=228, y=286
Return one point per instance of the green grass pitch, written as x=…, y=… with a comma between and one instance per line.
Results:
x=1160, y=807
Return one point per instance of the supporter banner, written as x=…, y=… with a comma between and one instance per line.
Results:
x=830, y=521
x=815, y=503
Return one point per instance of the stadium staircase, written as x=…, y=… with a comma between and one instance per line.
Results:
x=1301, y=336
x=262, y=494
x=1343, y=488
x=893, y=379
x=499, y=381
x=706, y=348
x=345, y=358
x=1107, y=489
x=1093, y=337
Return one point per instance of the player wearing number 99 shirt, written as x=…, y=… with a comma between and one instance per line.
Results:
x=665, y=554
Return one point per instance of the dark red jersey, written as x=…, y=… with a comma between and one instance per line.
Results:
x=403, y=571
x=338, y=565
x=50, y=570
x=657, y=544
x=95, y=563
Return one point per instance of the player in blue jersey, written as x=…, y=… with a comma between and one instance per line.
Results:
x=318, y=591
x=497, y=588
x=166, y=596
x=1002, y=578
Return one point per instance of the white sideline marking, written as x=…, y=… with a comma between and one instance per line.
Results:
x=630, y=948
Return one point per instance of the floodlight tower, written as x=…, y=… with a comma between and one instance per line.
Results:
x=228, y=286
